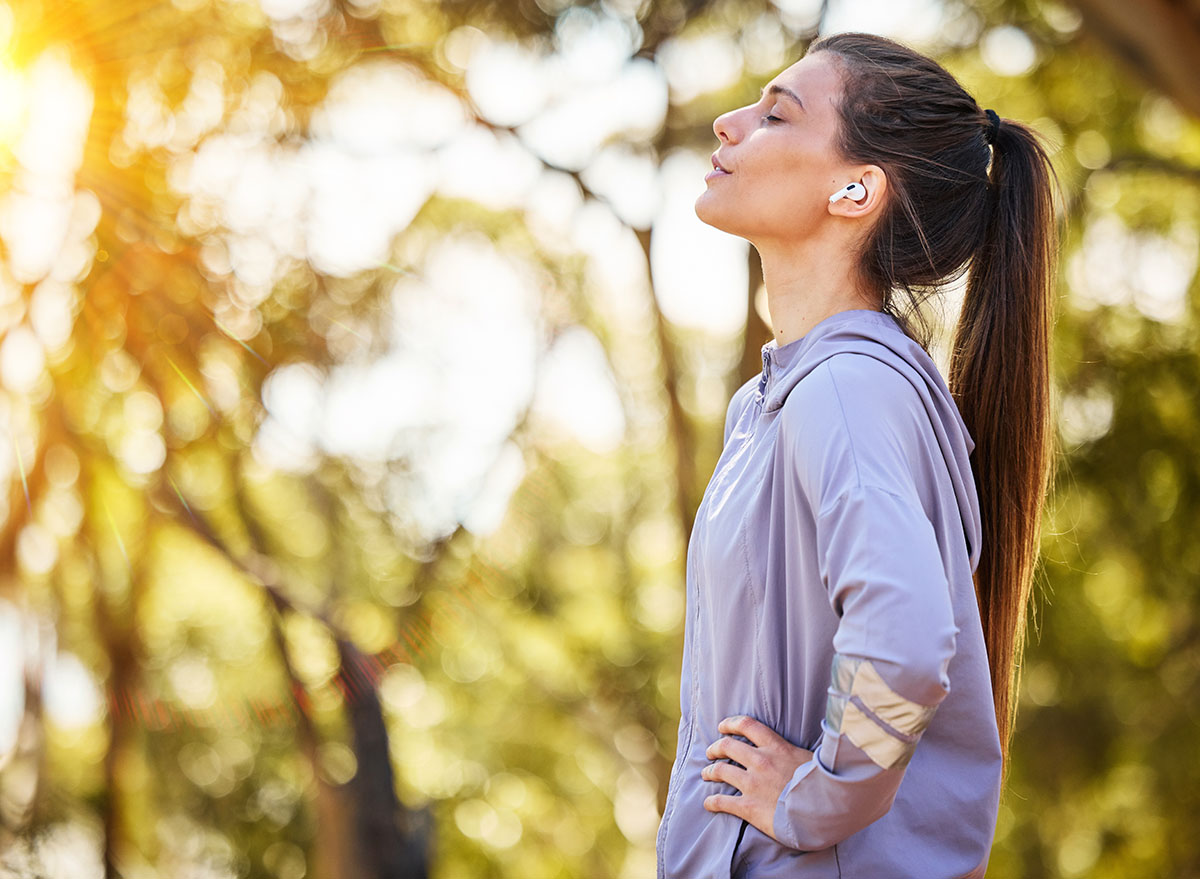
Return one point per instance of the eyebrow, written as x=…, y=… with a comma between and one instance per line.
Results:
x=780, y=90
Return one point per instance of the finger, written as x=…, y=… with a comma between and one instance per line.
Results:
x=747, y=727
x=733, y=804
x=727, y=773
x=734, y=749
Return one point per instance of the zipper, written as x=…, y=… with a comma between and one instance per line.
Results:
x=737, y=845
x=764, y=381
x=681, y=756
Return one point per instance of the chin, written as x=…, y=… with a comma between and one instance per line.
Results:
x=710, y=215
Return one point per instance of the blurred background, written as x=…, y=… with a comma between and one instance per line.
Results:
x=362, y=363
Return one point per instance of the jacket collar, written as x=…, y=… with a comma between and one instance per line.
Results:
x=780, y=362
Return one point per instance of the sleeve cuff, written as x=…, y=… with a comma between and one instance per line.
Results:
x=780, y=823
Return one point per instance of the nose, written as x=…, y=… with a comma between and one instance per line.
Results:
x=721, y=127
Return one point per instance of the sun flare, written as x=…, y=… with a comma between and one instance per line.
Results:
x=12, y=106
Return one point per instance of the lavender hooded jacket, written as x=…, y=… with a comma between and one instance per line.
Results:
x=829, y=595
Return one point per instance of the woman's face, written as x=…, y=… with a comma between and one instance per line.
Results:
x=780, y=156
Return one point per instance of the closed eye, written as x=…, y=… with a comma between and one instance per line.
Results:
x=769, y=118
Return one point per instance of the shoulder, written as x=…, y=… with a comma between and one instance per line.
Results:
x=851, y=393
x=853, y=420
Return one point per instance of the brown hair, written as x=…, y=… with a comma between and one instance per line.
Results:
x=949, y=210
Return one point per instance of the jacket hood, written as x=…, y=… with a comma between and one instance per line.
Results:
x=878, y=335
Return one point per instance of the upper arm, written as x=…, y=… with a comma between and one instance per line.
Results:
x=854, y=434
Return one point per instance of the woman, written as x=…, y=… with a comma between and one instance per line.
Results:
x=857, y=579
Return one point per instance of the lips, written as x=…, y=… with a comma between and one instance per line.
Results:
x=717, y=166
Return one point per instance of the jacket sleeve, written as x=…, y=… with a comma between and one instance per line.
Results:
x=879, y=559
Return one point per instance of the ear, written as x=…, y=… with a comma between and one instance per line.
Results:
x=875, y=182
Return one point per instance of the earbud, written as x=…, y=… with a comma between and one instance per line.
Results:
x=856, y=192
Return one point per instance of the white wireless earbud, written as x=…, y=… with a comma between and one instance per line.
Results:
x=855, y=191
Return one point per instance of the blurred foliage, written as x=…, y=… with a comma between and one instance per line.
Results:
x=530, y=732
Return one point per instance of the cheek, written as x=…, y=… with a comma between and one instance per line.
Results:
x=772, y=194
x=784, y=175
x=784, y=195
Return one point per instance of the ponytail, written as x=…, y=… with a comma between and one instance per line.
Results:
x=1000, y=379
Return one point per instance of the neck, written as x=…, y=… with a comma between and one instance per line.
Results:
x=807, y=282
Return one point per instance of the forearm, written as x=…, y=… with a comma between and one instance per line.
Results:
x=868, y=736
